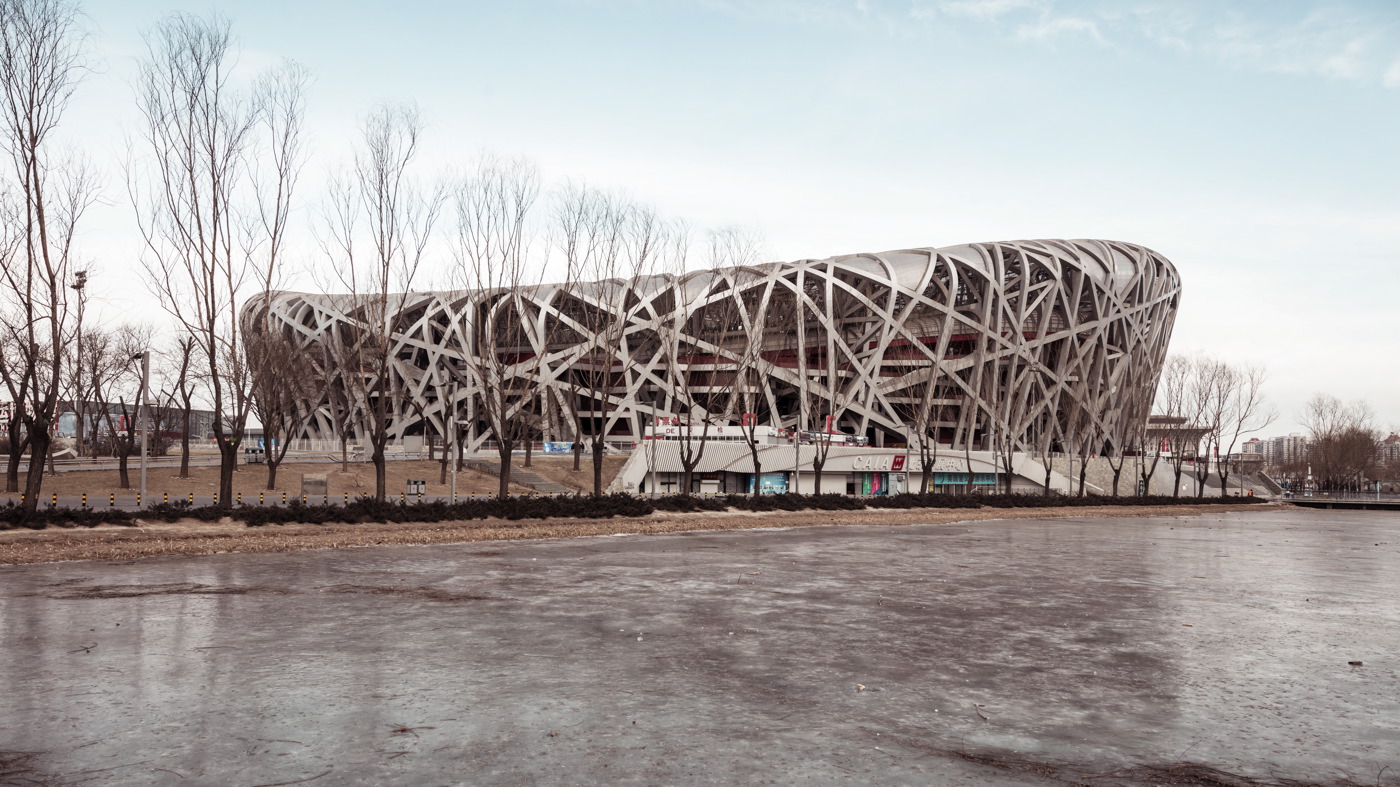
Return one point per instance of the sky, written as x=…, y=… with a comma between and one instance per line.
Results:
x=1254, y=144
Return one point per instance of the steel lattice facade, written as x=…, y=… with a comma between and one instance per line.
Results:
x=1050, y=342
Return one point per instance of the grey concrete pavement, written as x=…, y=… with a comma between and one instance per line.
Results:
x=1097, y=651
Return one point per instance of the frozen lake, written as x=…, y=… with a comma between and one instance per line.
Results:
x=1105, y=650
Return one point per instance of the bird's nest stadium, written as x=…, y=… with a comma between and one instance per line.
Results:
x=1045, y=344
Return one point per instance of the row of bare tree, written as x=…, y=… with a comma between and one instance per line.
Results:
x=1343, y=446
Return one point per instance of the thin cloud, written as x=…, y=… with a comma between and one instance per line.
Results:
x=987, y=9
x=1392, y=75
x=1050, y=28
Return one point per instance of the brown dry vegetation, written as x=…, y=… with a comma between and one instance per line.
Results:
x=252, y=479
x=156, y=539
x=560, y=470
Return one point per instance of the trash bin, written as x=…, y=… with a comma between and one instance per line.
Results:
x=253, y=456
x=417, y=486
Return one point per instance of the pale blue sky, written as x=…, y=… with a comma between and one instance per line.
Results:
x=1256, y=144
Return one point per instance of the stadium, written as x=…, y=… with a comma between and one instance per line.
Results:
x=1042, y=345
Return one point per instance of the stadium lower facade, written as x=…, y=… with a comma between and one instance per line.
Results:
x=1045, y=344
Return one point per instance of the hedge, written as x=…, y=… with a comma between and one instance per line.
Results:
x=367, y=509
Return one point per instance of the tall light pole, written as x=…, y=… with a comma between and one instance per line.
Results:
x=143, y=413
x=452, y=438
x=79, y=284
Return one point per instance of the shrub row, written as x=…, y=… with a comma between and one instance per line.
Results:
x=579, y=507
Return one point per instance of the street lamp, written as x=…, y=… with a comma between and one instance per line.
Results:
x=448, y=380
x=142, y=413
x=79, y=285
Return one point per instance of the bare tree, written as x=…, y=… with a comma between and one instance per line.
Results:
x=282, y=391
x=41, y=62
x=378, y=202
x=334, y=372
x=184, y=383
x=824, y=388
x=116, y=370
x=491, y=248
x=1344, y=438
x=1235, y=407
x=610, y=247
x=1181, y=401
x=744, y=363
x=212, y=219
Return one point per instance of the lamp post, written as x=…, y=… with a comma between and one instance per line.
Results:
x=79, y=285
x=450, y=422
x=142, y=414
x=651, y=453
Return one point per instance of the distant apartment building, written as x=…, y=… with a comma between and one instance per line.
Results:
x=1388, y=452
x=1283, y=450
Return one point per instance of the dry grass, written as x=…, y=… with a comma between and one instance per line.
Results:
x=560, y=470
x=252, y=479
x=199, y=538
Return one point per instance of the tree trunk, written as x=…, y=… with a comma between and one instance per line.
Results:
x=529, y=448
x=123, y=473
x=34, y=480
x=1083, y=471
x=817, y=464
x=272, y=465
x=12, y=469
x=757, y=468
x=381, y=486
x=503, y=451
x=1048, y=470
x=344, y=453
x=578, y=453
x=228, y=464
x=598, y=447
x=185, y=443
x=687, y=474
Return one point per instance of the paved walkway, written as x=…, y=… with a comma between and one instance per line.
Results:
x=1014, y=652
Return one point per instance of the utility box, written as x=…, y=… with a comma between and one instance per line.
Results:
x=417, y=486
x=314, y=484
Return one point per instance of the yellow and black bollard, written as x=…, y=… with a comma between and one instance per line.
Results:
x=216, y=499
x=138, y=499
x=303, y=498
x=191, y=498
x=54, y=504
x=346, y=500
x=165, y=497
x=284, y=497
x=260, y=498
x=85, y=500
x=238, y=498
x=111, y=500
x=401, y=498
